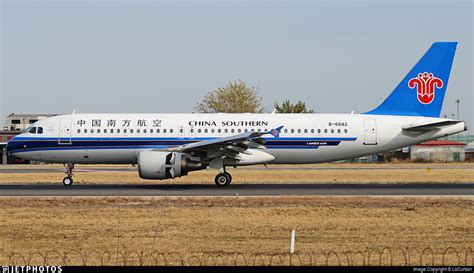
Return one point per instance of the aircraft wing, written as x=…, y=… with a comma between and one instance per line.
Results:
x=429, y=126
x=229, y=146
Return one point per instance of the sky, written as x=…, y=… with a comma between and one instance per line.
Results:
x=164, y=56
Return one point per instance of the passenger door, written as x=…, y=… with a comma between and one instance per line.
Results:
x=370, y=132
x=65, y=131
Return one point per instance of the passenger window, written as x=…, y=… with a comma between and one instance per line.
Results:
x=157, y=131
x=332, y=131
x=345, y=131
x=219, y=130
x=292, y=131
x=85, y=131
x=286, y=131
x=226, y=130
x=319, y=131
x=78, y=131
x=212, y=131
x=171, y=131
x=239, y=130
x=205, y=130
x=246, y=130
x=164, y=131
x=131, y=131
x=124, y=131
x=92, y=131
x=105, y=131
x=232, y=130
x=305, y=131
x=151, y=131
x=199, y=130
x=98, y=131
x=259, y=130
x=325, y=131
x=299, y=131
x=338, y=131
x=312, y=131
x=144, y=130
x=111, y=131
x=190, y=130
x=118, y=131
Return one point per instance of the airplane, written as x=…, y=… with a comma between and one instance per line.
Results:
x=166, y=146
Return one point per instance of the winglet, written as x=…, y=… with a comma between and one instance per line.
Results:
x=275, y=132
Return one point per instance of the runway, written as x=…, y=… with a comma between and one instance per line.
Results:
x=12, y=169
x=238, y=190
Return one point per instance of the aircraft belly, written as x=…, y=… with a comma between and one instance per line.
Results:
x=125, y=156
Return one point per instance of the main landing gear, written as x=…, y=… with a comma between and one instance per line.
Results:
x=67, y=181
x=223, y=179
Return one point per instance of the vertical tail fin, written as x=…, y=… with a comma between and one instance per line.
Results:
x=421, y=92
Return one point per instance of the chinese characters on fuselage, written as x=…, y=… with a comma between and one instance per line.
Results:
x=119, y=123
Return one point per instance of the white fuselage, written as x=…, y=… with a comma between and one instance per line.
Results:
x=305, y=138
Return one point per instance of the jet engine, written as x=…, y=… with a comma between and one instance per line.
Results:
x=165, y=165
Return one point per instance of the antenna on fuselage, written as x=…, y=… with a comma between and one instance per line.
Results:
x=73, y=111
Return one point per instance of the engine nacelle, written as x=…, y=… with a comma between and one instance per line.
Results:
x=165, y=165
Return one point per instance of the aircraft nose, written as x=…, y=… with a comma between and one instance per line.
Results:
x=12, y=145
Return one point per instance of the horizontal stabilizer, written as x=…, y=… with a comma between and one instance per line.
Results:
x=429, y=126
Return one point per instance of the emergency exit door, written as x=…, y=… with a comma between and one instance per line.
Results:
x=370, y=132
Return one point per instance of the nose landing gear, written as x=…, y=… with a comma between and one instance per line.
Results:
x=67, y=181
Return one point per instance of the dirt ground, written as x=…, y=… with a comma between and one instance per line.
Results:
x=256, y=229
x=315, y=173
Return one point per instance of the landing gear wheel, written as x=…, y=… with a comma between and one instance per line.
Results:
x=223, y=179
x=67, y=181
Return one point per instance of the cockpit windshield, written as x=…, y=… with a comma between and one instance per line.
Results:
x=32, y=130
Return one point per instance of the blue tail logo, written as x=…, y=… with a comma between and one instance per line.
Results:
x=425, y=84
x=421, y=92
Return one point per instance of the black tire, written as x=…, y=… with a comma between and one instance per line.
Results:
x=67, y=181
x=229, y=176
x=223, y=179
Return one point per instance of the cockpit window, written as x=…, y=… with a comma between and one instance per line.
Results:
x=40, y=130
x=32, y=130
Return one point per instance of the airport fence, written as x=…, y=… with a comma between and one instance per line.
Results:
x=382, y=256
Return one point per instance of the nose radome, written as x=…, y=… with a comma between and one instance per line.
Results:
x=12, y=144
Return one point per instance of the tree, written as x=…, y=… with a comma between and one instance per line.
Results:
x=236, y=97
x=288, y=107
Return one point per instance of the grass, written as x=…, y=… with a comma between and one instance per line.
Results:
x=249, y=225
x=316, y=173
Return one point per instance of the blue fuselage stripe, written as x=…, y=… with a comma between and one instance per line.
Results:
x=27, y=144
